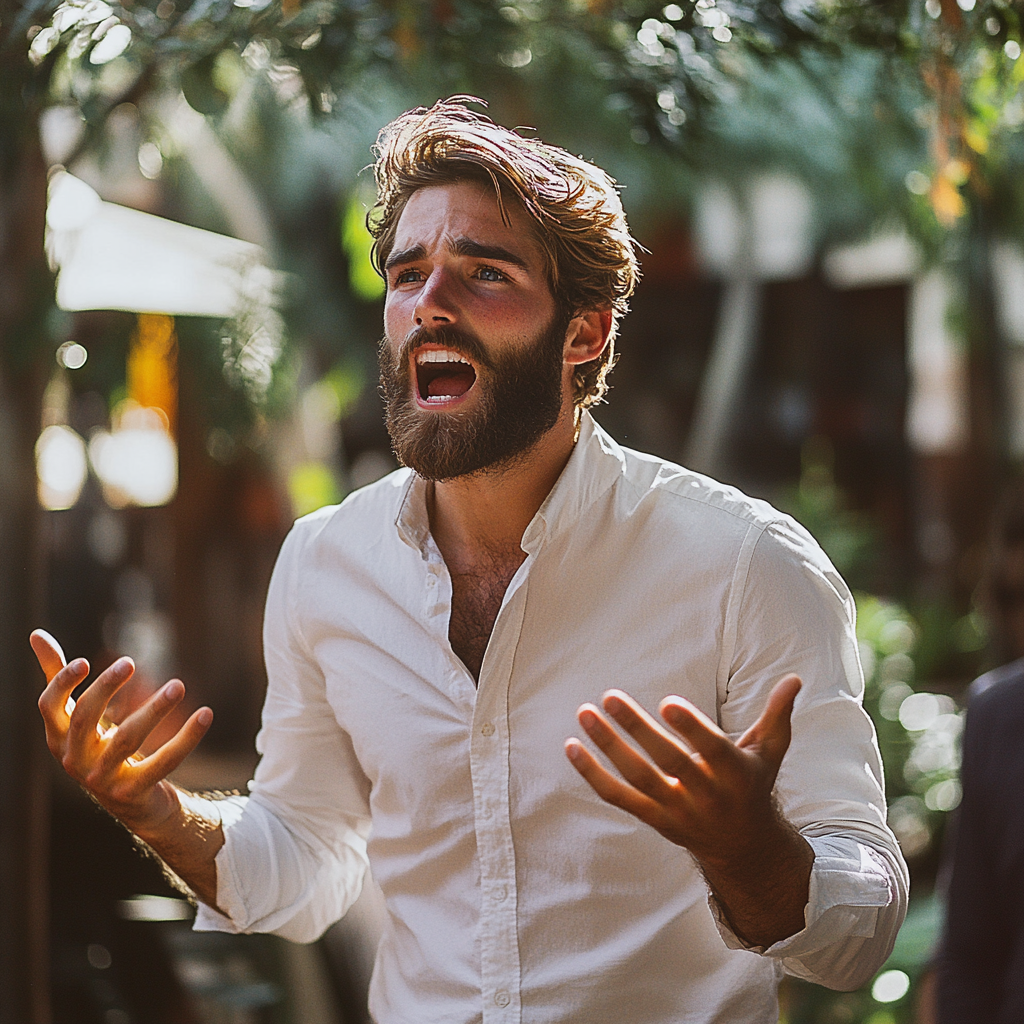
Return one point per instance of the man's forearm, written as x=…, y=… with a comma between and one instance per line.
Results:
x=764, y=889
x=188, y=841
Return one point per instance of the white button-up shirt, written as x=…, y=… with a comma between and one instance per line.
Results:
x=514, y=894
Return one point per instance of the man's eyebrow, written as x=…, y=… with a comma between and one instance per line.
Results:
x=467, y=247
x=459, y=247
x=416, y=252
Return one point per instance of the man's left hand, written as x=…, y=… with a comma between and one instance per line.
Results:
x=711, y=795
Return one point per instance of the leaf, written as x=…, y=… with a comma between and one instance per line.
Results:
x=200, y=89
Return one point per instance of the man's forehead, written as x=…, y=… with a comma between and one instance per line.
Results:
x=443, y=215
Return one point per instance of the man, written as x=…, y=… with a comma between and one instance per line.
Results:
x=429, y=641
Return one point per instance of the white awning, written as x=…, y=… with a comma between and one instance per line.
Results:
x=111, y=257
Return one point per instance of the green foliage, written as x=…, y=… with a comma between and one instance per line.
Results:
x=837, y=91
x=312, y=485
x=200, y=87
x=818, y=504
x=918, y=733
x=357, y=243
x=347, y=382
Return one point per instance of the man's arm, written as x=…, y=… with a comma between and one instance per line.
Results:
x=102, y=758
x=713, y=797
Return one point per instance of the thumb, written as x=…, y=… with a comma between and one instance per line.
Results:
x=770, y=735
x=48, y=653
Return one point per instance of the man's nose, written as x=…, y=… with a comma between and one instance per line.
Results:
x=435, y=304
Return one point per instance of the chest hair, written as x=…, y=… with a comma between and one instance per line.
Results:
x=477, y=594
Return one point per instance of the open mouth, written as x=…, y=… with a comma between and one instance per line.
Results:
x=442, y=376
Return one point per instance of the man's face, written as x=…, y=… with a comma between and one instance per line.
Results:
x=472, y=357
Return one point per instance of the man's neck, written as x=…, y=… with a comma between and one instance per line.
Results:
x=477, y=517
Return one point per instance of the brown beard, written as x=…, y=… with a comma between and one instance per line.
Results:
x=520, y=400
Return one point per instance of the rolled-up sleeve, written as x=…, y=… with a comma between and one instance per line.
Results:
x=294, y=854
x=794, y=613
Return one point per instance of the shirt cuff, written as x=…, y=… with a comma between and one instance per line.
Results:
x=225, y=813
x=271, y=879
x=849, y=884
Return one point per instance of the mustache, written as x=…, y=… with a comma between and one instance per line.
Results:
x=464, y=342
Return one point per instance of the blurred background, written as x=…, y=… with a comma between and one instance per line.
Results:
x=831, y=200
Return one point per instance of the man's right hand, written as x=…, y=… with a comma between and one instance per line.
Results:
x=101, y=756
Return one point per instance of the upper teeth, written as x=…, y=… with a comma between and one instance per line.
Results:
x=440, y=355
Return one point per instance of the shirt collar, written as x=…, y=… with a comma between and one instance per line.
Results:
x=596, y=462
x=594, y=465
x=412, y=521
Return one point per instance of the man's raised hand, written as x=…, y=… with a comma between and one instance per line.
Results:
x=101, y=756
x=701, y=790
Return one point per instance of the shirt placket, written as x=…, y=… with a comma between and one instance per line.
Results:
x=437, y=609
x=489, y=765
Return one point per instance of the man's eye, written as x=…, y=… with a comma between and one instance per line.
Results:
x=407, y=276
x=490, y=274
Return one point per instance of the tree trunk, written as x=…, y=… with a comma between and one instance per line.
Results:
x=989, y=405
x=25, y=297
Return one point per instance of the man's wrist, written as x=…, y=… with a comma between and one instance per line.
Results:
x=187, y=841
x=763, y=889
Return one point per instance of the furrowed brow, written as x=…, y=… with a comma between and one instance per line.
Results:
x=403, y=256
x=467, y=247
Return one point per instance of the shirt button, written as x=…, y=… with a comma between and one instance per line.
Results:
x=487, y=729
x=499, y=894
x=502, y=998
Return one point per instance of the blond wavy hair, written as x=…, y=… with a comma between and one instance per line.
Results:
x=580, y=225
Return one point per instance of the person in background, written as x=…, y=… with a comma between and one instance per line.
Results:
x=980, y=962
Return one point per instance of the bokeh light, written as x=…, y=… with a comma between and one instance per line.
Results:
x=137, y=462
x=71, y=355
x=61, y=467
x=890, y=986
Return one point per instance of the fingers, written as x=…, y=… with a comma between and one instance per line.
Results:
x=101, y=758
x=633, y=766
x=91, y=705
x=129, y=736
x=55, y=703
x=715, y=753
x=48, y=653
x=700, y=733
x=609, y=788
x=771, y=734
x=162, y=762
x=665, y=749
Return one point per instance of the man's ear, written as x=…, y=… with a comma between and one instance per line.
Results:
x=586, y=336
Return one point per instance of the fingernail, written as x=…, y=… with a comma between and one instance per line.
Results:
x=572, y=749
x=173, y=690
x=205, y=717
x=78, y=665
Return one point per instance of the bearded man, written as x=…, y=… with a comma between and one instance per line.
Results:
x=431, y=642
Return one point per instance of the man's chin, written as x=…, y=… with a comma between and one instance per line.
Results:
x=442, y=446
x=467, y=471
